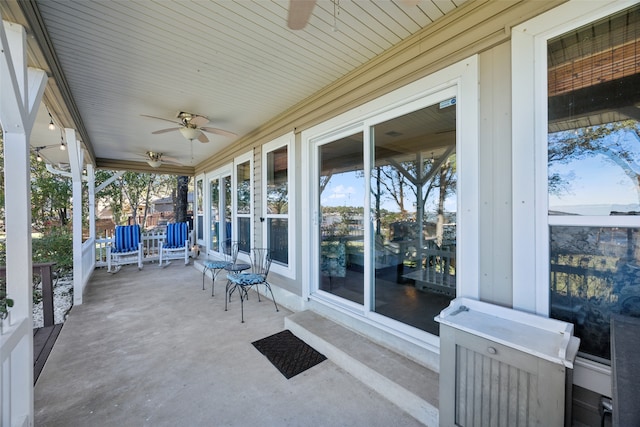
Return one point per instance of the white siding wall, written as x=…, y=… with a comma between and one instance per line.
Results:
x=495, y=175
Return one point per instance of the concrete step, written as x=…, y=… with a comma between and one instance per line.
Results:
x=409, y=385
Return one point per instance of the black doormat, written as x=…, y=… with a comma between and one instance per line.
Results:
x=288, y=353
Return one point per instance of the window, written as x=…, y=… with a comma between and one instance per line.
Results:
x=214, y=191
x=243, y=211
x=200, y=209
x=594, y=170
x=575, y=205
x=220, y=208
x=276, y=214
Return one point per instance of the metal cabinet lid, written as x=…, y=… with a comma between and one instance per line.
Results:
x=545, y=338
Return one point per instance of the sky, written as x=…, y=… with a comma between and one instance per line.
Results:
x=597, y=182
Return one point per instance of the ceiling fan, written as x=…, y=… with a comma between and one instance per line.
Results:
x=192, y=126
x=300, y=11
x=155, y=160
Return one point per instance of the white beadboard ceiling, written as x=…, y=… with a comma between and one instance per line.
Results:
x=235, y=62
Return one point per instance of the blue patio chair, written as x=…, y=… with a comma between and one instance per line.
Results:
x=242, y=282
x=126, y=248
x=176, y=244
x=229, y=252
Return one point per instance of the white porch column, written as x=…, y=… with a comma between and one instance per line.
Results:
x=76, y=159
x=91, y=183
x=21, y=91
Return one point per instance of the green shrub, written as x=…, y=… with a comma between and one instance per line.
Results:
x=55, y=246
x=5, y=303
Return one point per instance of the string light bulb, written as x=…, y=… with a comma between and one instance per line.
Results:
x=52, y=126
x=62, y=146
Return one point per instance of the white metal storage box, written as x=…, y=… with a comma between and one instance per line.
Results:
x=503, y=367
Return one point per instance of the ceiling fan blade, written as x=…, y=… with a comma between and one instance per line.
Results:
x=164, y=130
x=198, y=121
x=171, y=161
x=219, y=132
x=202, y=137
x=160, y=118
x=299, y=13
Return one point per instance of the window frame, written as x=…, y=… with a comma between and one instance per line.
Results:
x=463, y=76
x=287, y=140
x=218, y=174
x=530, y=178
x=243, y=158
x=196, y=224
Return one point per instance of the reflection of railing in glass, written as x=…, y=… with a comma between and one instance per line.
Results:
x=278, y=236
x=244, y=235
x=436, y=271
x=594, y=273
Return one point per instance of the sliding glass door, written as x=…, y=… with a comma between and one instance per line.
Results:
x=413, y=212
x=387, y=213
x=341, y=189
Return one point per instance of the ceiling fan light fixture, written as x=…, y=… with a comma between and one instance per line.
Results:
x=155, y=159
x=190, y=133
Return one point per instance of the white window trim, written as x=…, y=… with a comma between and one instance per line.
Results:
x=288, y=141
x=248, y=156
x=529, y=161
x=463, y=76
x=203, y=241
x=218, y=174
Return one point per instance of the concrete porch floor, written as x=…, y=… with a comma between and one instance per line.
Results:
x=151, y=348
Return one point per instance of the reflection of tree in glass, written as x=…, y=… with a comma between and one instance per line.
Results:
x=420, y=176
x=277, y=198
x=610, y=140
x=244, y=196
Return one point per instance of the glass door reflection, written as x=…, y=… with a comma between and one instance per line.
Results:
x=341, y=190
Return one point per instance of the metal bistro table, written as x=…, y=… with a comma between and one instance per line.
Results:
x=233, y=269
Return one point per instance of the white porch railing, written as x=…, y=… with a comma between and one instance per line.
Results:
x=150, y=246
x=14, y=345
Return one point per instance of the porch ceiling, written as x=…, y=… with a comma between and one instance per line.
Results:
x=235, y=62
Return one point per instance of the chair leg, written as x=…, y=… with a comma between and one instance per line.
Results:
x=214, y=274
x=227, y=294
x=268, y=286
x=243, y=295
x=204, y=273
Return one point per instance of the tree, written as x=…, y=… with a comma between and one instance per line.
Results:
x=180, y=201
x=130, y=192
x=50, y=196
x=111, y=195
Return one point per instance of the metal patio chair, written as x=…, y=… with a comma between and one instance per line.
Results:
x=229, y=252
x=242, y=282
